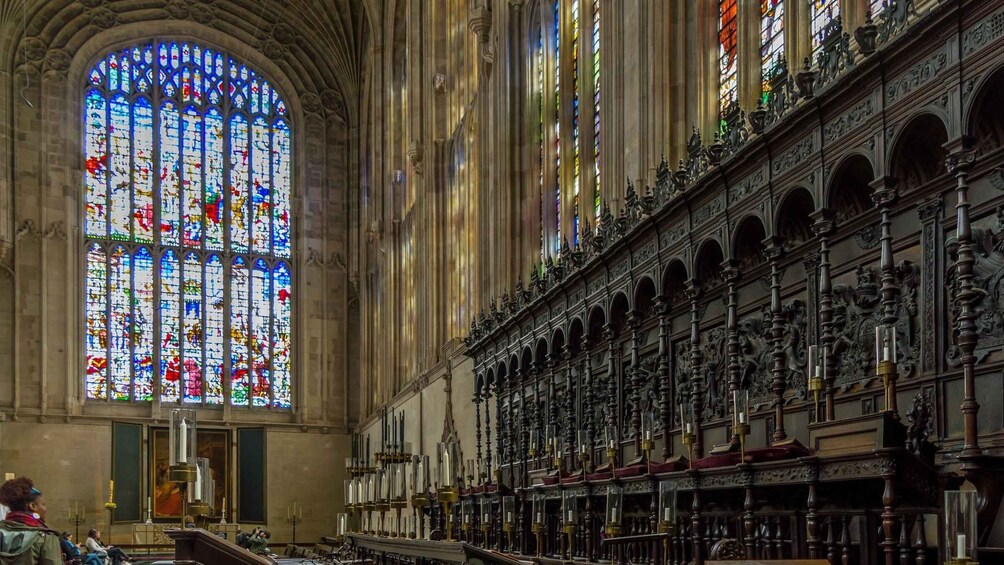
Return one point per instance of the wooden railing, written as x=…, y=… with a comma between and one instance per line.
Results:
x=198, y=547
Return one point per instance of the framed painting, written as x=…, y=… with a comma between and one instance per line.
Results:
x=213, y=445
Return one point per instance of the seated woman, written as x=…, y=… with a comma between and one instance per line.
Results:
x=73, y=554
x=27, y=539
x=95, y=546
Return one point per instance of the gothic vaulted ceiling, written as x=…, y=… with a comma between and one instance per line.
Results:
x=319, y=44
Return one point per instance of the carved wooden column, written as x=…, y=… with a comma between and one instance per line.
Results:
x=695, y=518
x=570, y=397
x=696, y=358
x=610, y=334
x=553, y=405
x=773, y=251
x=959, y=162
x=634, y=322
x=665, y=379
x=535, y=416
x=822, y=228
x=888, y=511
x=730, y=272
x=883, y=196
x=588, y=410
x=488, y=432
x=510, y=448
x=477, y=432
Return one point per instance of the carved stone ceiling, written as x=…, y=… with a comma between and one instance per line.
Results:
x=320, y=44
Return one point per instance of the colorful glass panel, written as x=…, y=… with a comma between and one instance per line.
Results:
x=215, y=312
x=576, y=156
x=240, y=285
x=557, y=128
x=120, y=323
x=186, y=152
x=823, y=12
x=728, y=64
x=596, y=110
x=96, y=319
x=282, y=312
x=142, y=326
x=170, y=326
x=192, y=364
x=261, y=302
x=771, y=40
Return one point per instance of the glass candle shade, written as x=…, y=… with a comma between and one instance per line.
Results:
x=538, y=509
x=383, y=485
x=485, y=510
x=420, y=478
x=509, y=510
x=401, y=480
x=449, y=465
x=885, y=344
x=610, y=438
x=203, y=488
x=550, y=435
x=648, y=428
x=667, y=502
x=360, y=490
x=583, y=443
x=343, y=524
x=615, y=505
x=960, y=524
x=740, y=407
x=468, y=512
x=348, y=493
x=569, y=508
x=816, y=364
x=371, y=487
x=534, y=449
x=686, y=419
x=182, y=437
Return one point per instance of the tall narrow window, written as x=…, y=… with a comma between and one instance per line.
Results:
x=823, y=11
x=727, y=51
x=876, y=7
x=187, y=192
x=596, y=109
x=576, y=156
x=771, y=40
x=539, y=93
x=557, y=127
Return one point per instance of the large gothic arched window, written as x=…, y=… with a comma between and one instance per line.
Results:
x=188, y=286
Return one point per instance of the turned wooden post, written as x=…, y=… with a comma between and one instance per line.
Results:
x=665, y=378
x=884, y=196
x=888, y=515
x=634, y=323
x=696, y=358
x=822, y=228
x=773, y=251
x=588, y=399
x=959, y=162
x=730, y=272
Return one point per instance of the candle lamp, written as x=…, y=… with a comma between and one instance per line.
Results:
x=615, y=510
x=687, y=436
x=538, y=526
x=667, y=513
x=610, y=440
x=294, y=516
x=817, y=373
x=569, y=518
x=470, y=473
x=76, y=516
x=182, y=454
x=200, y=491
x=447, y=491
x=534, y=450
x=110, y=506
x=648, y=435
x=585, y=451
x=486, y=516
x=467, y=515
x=419, y=489
x=960, y=527
x=383, y=499
x=509, y=518
x=399, y=491
x=740, y=418
x=342, y=520
x=885, y=362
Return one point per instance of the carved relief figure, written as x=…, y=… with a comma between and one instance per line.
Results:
x=988, y=281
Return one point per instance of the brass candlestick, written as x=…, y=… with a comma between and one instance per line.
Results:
x=569, y=529
x=668, y=528
x=447, y=498
x=398, y=504
x=742, y=430
x=688, y=439
x=816, y=387
x=508, y=529
x=538, y=530
x=419, y=502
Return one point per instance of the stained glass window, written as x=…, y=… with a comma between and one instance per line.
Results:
x=823, y=11
x=771, y=40
x=576, y=157
x=539, y=86
x=876, y=7
x=596, y=109
x=187, y=224
x=557, y=126
x=727, y=50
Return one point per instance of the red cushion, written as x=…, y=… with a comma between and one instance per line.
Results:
x=758, y=455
